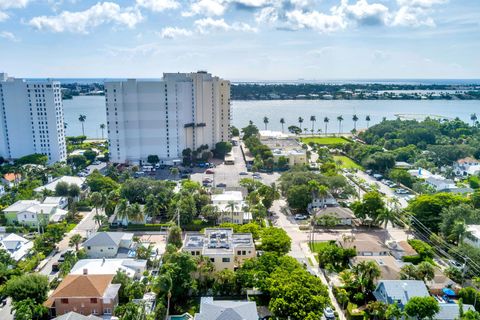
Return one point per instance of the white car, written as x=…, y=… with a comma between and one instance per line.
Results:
x=300, y=217
x=328, y=313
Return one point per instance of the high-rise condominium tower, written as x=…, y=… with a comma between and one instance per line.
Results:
x=164, y=117
x=31, y=119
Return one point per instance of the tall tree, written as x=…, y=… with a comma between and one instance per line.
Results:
x=163, y=285
x=265, y=122
x=282, y=122
x=326, y=120
x=300, y=121
x=102, y=127
x=355, y=119
x=122, y=210
x=367, y=119
x=473, y=117
x=75, y=241
x=340, y=119
x=422, y=307
x=135, y=213
x=313, y=119
x=82, y=119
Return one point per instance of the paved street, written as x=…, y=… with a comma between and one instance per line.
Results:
x=5, y=311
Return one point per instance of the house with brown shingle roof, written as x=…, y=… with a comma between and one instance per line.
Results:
x=85, y=294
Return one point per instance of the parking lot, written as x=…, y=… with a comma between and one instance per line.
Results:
x=229, y=175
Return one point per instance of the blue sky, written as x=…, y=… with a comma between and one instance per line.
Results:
x=241, y=39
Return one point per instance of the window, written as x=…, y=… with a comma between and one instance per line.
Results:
x=212, y=259
x=93, y=300
x=225, y=260
x=64, y=301
x=107, y=311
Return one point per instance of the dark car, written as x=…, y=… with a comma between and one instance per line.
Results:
x=221, y=185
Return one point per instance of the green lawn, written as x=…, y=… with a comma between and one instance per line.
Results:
x=318, y=246
x=347, y=163
x=325, y=140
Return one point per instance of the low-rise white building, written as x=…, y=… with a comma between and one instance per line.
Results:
x=474, y=238
x=226, y=250
x=109, y=245
x=232, y=207
x=439, y=183
x=78, y=181
x=322, y=202
x=33, y=213
x=17, y=246
x=131, y=267
x=466, y=166
x=226, y=310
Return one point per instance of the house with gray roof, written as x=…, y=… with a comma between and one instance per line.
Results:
x=108, y=245
x=226, y=310
x=399, y=291
x=451, y=311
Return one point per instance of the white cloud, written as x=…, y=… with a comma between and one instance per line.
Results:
x=208, y=24
x=267, y=15
x=321, y=52
x=174, y=32
x=3, y=16
x=8, y=35
x=158, y=5
x=363, y=12
x=315, y=20
x=412, y=17
x=207, y=8
x=82, y=21
x=13, y=4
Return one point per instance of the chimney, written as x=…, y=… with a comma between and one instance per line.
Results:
x=85, y=271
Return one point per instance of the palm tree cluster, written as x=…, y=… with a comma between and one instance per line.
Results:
x=326, y=121
x=129, y=212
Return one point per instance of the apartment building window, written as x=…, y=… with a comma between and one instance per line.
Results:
x=93, y=300
x=64, y=301
x=225, y=260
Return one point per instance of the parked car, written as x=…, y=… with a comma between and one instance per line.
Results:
x=221, y=185
x=243, y=173
x=328, y=313
x=300, y=217
x=455, y=264
x=207, y=180
x=55, y=266
x=209, y=171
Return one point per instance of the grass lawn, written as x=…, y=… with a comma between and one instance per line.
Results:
x=70, y=226
x=347, y=163
x=318, y=246
x=325, y=140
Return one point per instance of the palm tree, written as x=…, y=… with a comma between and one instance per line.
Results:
x=355, y=119
x=300, y=121
x=367, y=272
x=367, y=118
x=121, y=210
x=473, y=117
x=174, y=171
x=231, y=205
x=282, y=122
x=164, y=284
x=460, y=231
x=340, y=119
x=135, y=213
x=82, y=119
x=265, y=121
x=313, y=119
x=102, y=127
x=152, y=207
x=326, y=120
x=98, y=200
x=75, y=241
x=100, y=219
x=385, y=216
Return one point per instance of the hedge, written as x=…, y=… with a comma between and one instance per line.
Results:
x=354, y=316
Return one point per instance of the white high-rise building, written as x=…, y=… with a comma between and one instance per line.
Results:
x=164, y=117
x=31, y=119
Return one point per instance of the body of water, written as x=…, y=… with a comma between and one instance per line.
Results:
x=244, y=111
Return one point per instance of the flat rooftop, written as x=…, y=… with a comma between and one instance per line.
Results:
x=218, y=240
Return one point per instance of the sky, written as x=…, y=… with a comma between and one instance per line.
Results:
x=241, y=39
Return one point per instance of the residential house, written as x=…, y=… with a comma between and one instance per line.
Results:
x=399, y=291
x=366, y=245
x=61, y=202
x=345, y=216
x=226, y=310
x=401, y=249
x=466, y=167
x=85, y=294
x=322, y=202
x=11, y=179
x=232, y=207
x=76, y=316
x=474, y=238
x=451, y=311
x=33, y=213
x=17, y=246
x=78, y=181
x=388, y=265
x=131, y=267
x=284, y=146
x=109, y=245
x=439, y=183
x=226, y=249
